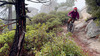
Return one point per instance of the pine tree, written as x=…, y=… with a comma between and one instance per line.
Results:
x=93, y=7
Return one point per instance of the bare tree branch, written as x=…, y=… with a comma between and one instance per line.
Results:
x=7, y=19
x=38, y=1
x=5, y=2
x=7, y=24
x=47, y=4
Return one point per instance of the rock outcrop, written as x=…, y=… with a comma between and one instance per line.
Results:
x=92, y=29
x=33, y=11
x=49, y=8
x=84, y=13
x=80, y=25
x=64, y=8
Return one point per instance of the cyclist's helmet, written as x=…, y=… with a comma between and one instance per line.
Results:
x=75, y=8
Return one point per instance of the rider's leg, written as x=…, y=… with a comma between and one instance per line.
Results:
x=73, y=20
x=69, y=20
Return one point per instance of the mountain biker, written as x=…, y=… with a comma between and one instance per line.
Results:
x=74, y=15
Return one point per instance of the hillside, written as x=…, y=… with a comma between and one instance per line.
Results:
x=45, y=32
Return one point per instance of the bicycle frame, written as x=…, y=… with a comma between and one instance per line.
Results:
x=70, y=26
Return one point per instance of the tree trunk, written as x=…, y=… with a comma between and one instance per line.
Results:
x=20, y=28
x=10, y=17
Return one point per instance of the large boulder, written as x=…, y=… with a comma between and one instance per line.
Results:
x=64, y=8
x=33, y=11
x=49, y=8
x=80, y=25
x=92, y=29
x=84, y=13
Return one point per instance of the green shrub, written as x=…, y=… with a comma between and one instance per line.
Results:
x=53, y=23
x=29, y=27
x=40, y=18
x=97, y=22
x=57, y=30
x=63, y=16
x=41, y=38
x=53, y=13
x=1, y=23
x=6, y=40
x=38, y=37
x=44, y=18
x=4, y=51
x=60, y=47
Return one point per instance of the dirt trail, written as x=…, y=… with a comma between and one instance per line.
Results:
x=90, y=45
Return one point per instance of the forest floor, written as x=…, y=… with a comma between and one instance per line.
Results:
x=88, y=45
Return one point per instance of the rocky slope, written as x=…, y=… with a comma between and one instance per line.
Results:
x=33, y=11
x=49, y=8
x=64, y=8
x=88, y=44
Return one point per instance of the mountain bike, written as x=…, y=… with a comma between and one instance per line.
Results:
x=70, y=26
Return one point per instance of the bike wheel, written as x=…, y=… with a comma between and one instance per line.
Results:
x=71, y=28
x=68, y=27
